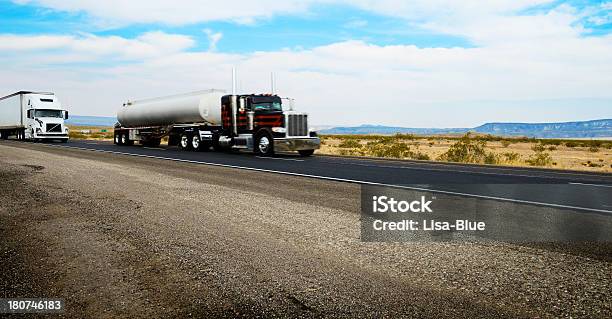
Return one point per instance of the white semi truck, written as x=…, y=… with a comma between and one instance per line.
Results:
x=33, y=116
x=263, y=123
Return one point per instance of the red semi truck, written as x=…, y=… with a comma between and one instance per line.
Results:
x=263, y=123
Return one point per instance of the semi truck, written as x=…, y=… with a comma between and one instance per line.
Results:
x=33, y=116
x=198, y=121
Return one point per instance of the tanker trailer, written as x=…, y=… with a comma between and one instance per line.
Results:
x=197, y=121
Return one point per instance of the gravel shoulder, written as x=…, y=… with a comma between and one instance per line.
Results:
x=119, y=236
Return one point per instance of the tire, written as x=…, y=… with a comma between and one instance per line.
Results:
x=306, y=152
x=125, y=139
x=264, y=143
x=118, y=139
x=185, y=142
x=196, y=143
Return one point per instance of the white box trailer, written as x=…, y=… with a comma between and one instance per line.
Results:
x=33, y=116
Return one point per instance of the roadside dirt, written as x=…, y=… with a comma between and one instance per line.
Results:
x=118, y=236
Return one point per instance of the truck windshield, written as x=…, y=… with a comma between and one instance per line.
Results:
x=267, y=107
x=49, y=113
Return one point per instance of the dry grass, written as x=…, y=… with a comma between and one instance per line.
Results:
x=586, y=155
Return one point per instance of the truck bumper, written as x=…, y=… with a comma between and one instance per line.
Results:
x=296, y=144
x=43, y=136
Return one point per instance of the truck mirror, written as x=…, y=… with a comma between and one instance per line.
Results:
x=66, y=115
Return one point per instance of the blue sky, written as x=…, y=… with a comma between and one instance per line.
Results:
x=324, y=24
x=492, y=61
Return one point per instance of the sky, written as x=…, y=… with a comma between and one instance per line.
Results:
x=411, y=63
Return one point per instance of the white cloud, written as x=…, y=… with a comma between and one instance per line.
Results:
x=213, y=39
x=348, y=82
x=178, y=12
x=92, y=47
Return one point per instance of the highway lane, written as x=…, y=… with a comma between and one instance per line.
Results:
x=574, y=190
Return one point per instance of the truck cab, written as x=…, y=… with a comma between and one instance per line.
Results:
x=267, y=123
x=44, y=118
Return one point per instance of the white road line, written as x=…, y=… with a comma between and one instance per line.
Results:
x=512, y=200
x=595, y=185
x=282, y=159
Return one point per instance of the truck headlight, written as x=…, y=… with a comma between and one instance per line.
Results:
x=279, y=130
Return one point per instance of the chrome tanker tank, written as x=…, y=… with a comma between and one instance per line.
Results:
x=195, y=107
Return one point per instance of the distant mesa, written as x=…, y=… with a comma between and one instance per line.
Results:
x=584, y=129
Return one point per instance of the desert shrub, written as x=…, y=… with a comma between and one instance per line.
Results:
x=591, y=164
x=468, y=150
x=506, y=143
x=77, y=135
x=432, y=143
x=540, y=157
x=491, y=158
x=350, y=144
x=420, y=156
x=511, y=156
x=571, y=144
x=552, y=148
x=386, y=149
x=352, y=152
x=401, y=136
x=594, y=149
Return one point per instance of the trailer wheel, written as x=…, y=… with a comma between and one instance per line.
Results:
x=185, y=142
x=196, y=143
x=118, y=139
x=125, y=139
x=264, y=143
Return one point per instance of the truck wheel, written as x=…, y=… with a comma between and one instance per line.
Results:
x=185, y=143
x=264, y=144
x=196, y=143
x=119, y=139
x=126, y=139
x=306, y=152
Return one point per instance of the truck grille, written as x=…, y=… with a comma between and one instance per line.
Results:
x=54, y=128
x=297, y=125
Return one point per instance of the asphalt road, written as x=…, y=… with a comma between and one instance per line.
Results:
x=134, y=237
x=582, y=191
